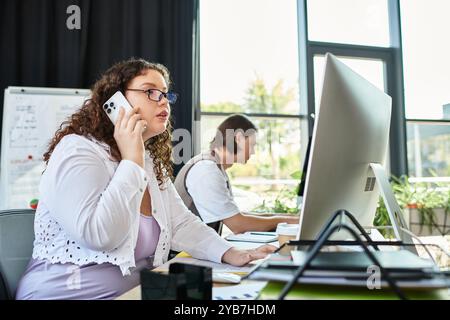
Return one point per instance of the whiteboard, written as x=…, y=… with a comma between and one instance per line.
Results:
x=30, y=118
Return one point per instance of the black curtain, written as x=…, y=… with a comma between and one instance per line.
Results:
x=37, y=48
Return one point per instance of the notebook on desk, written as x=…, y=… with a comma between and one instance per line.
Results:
x=254, y=236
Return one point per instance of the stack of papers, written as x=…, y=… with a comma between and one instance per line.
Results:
x=249, y=291
x=254, y=236
x=217, y=267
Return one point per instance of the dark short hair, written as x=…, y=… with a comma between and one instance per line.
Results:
x=237, y=123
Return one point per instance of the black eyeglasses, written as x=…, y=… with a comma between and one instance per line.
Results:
x=157, y=95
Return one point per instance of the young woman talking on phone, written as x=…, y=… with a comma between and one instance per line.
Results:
x=107, y=205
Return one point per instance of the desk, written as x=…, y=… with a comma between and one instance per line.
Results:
x=135, y=293
x=272, y=290
x=322, y=292
x=314, y=292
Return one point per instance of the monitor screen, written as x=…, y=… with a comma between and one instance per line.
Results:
x=351, y=130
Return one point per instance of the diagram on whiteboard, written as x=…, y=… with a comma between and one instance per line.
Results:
x=31, y=117
x=24, y=131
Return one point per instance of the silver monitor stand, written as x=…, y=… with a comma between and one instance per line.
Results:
x=395, y=212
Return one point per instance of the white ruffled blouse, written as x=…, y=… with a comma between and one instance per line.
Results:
x=89, y=210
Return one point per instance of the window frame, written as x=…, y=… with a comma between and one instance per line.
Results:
x=393, y=61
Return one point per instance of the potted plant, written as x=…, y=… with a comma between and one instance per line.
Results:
x=426, y=207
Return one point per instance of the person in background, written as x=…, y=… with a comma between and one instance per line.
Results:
x=107, y=205
x=205, y=188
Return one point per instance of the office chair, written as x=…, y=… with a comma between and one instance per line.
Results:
x=16, y=247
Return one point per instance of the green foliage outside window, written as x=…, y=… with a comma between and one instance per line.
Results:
x=285, y=200
x=278, y=148
x=425, y=197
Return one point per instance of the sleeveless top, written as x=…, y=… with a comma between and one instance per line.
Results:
x=180, y=185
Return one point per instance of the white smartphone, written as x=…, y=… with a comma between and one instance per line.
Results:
x=113, y=105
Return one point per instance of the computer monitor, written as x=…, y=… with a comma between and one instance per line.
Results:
x=351, y=131
x=301, y=185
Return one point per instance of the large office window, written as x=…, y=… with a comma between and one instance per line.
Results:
x=360, y=22
x=251, y=60
x=427, y=81
x=249, y=64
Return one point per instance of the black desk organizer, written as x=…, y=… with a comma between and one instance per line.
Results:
x=322, y=239
x=184, y=282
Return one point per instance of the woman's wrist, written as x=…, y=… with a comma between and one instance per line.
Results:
x=139, y=162
x=230, y=255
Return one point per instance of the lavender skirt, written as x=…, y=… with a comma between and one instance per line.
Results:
x=44, y=280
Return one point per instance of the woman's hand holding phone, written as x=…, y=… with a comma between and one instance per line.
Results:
x=128, y=135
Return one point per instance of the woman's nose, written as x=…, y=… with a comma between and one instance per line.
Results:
x=163, y=102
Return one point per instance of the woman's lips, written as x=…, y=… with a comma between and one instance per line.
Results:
x=163, y=115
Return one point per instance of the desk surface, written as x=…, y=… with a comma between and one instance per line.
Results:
x=135, y=293
x=272, y=290
x=324, y=292
x=308, y=292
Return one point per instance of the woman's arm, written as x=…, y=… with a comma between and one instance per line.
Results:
x=92, y=208
x=192, y=235
x=97, y=211
x=240, y=223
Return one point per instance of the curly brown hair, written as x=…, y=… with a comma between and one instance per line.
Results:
x=91, y=120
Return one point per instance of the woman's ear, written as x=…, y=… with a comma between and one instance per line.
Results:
x=239, y=137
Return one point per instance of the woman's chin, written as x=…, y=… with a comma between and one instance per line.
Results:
x=161, y=129
x=150, y=134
